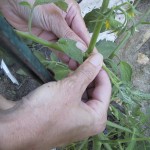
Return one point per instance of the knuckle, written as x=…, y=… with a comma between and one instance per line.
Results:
x=65, y=90
x=69, y=84
x=74, y=6
x=68, y=33
x=86, y=74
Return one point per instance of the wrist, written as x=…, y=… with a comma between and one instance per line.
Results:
x=23, y=124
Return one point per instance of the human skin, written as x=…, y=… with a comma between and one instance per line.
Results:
x=49, y=23
x=56, y=113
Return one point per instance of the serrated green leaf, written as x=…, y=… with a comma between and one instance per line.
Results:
x=91, y=18
x=109, y=21
x=60, y=3
x=26, y=4
x=59, y=69
x=106, y=48
x=125, y=71
x=69, y=47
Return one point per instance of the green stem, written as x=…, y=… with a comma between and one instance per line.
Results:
x=122, y=43
x=127, y=140
x=96, y=143
x=38, y=40
x=114, y=79
x=143, y=18
x=97, y=28
x=120, y=146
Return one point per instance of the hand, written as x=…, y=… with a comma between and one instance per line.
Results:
x=49, y=23
x=55, y=115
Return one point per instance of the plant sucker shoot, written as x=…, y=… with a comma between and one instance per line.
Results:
x=124, y=128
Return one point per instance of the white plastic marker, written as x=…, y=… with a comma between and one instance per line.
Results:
x=8, y=73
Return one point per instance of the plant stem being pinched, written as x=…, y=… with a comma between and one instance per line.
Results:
x=97, y=28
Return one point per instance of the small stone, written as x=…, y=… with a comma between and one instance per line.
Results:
x=142, y=59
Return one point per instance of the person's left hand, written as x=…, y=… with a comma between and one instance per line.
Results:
x=54, y=114
x=50, y=23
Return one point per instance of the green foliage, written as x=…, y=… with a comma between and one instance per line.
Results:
x=116, y=126
x=106, y=48
x=63, y=45
x=39, y=55
x=59, y=69
x=69, y=47
x=125, y=71
x=109, y=21
x=90, y=19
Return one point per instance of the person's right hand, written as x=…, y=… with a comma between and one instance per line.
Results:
x=55, y=114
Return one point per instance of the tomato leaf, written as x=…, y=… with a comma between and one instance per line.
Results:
x=69, y=47
x=91, y=18
x=125, y=71
x=59, y=69
x=106, y=48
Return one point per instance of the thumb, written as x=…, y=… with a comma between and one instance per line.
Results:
x=87, y=72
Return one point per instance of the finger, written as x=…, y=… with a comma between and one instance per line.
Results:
x=47, y=35
x=63, y=57
x=75, y=21
x=102, y=92
x=87, y=72
x=61, y=29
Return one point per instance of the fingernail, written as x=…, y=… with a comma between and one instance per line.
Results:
x=96, y=60
x=81, y=46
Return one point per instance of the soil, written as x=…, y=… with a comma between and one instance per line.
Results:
x=13, y=92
